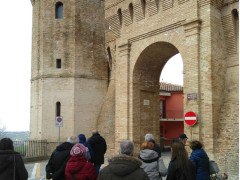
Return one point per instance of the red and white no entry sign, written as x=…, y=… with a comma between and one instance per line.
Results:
x=190, y=118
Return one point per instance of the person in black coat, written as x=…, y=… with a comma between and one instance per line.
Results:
x=56, y=165
x=99, y=147
x=180, y=167
x=8, y=157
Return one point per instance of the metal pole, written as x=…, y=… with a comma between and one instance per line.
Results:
x=58, y=135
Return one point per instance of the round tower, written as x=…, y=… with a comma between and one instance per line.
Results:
x=69, y=68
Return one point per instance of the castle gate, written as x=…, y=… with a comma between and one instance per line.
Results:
x=142, y=36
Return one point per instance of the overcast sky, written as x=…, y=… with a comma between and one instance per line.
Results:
x=15, y=64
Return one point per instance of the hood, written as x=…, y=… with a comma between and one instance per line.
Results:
x=64, y=146
x=148, y=154
x=7, y=157
x=122, y=165
x=75, y=164
x=82, y=138
x=199, y=154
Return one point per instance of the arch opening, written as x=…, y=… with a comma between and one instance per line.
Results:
x=171, y=110
x=146, y=73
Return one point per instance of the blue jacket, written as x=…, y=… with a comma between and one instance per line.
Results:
x=201, y=161
x=82, y=140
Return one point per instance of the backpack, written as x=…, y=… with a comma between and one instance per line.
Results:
x=88, y=155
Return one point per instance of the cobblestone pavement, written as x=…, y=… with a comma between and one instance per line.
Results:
x=36, y=170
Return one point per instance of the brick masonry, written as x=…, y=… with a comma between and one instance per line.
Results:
x=136, y=39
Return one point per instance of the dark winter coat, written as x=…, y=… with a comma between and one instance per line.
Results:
x=201, y=161
x=57, y=162
x=82, y=140
x=80, y=168
x=7, y=166
x=156, y=148
x=123, y=167
x=174, y=173
x=99, y=147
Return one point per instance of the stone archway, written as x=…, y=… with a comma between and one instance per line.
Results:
x=145, y=88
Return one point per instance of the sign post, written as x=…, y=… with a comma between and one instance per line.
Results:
x=190, y=118
x=59, y=123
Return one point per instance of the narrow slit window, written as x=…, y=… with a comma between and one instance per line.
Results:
x=120, y=16
x=131, y=11
x=143, y=6
x=58, y=109
x=157, y=4
x=235, y=24
x=59, y=10
x=109, y=64
x=59, y=63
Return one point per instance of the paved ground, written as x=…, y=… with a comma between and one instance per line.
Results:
x=36, y=170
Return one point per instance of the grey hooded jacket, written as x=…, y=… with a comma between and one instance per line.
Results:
x=152, y=164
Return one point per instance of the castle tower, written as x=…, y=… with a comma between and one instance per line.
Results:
x=69, y=68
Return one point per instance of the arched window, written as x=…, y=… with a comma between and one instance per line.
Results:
x=59, y=10
x=120, y=16
x=131, y=10
x=143, y=6
x=58, y=109
x=235, y=24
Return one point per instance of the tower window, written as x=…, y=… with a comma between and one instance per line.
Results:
x=59, y=10
x=59, y=63
x=109, y=64
x=58, y=109
x=143, y=6
x=120, y=15
x=131, y=10
x=235, y=24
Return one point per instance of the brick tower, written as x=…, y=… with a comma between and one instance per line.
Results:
x=69, y=68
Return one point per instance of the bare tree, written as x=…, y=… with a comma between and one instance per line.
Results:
x=2, y=130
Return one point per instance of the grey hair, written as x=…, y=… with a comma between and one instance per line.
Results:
x=73, y=139
x=149, y=137
x=126, y=147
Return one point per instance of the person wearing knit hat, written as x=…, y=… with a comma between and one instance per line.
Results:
x=78, y=166
x=78, y=150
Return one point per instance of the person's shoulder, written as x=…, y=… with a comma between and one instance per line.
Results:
x=106, y=169
x=140, y=174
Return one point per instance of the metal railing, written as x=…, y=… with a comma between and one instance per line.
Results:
x=165, y=143
x=31, y=149
x=172, y=114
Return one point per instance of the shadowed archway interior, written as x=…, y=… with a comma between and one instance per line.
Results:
x=146, y=89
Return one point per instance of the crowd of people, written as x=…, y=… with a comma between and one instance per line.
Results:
x=80, y=159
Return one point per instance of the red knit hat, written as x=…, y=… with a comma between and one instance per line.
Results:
x=78, y=150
